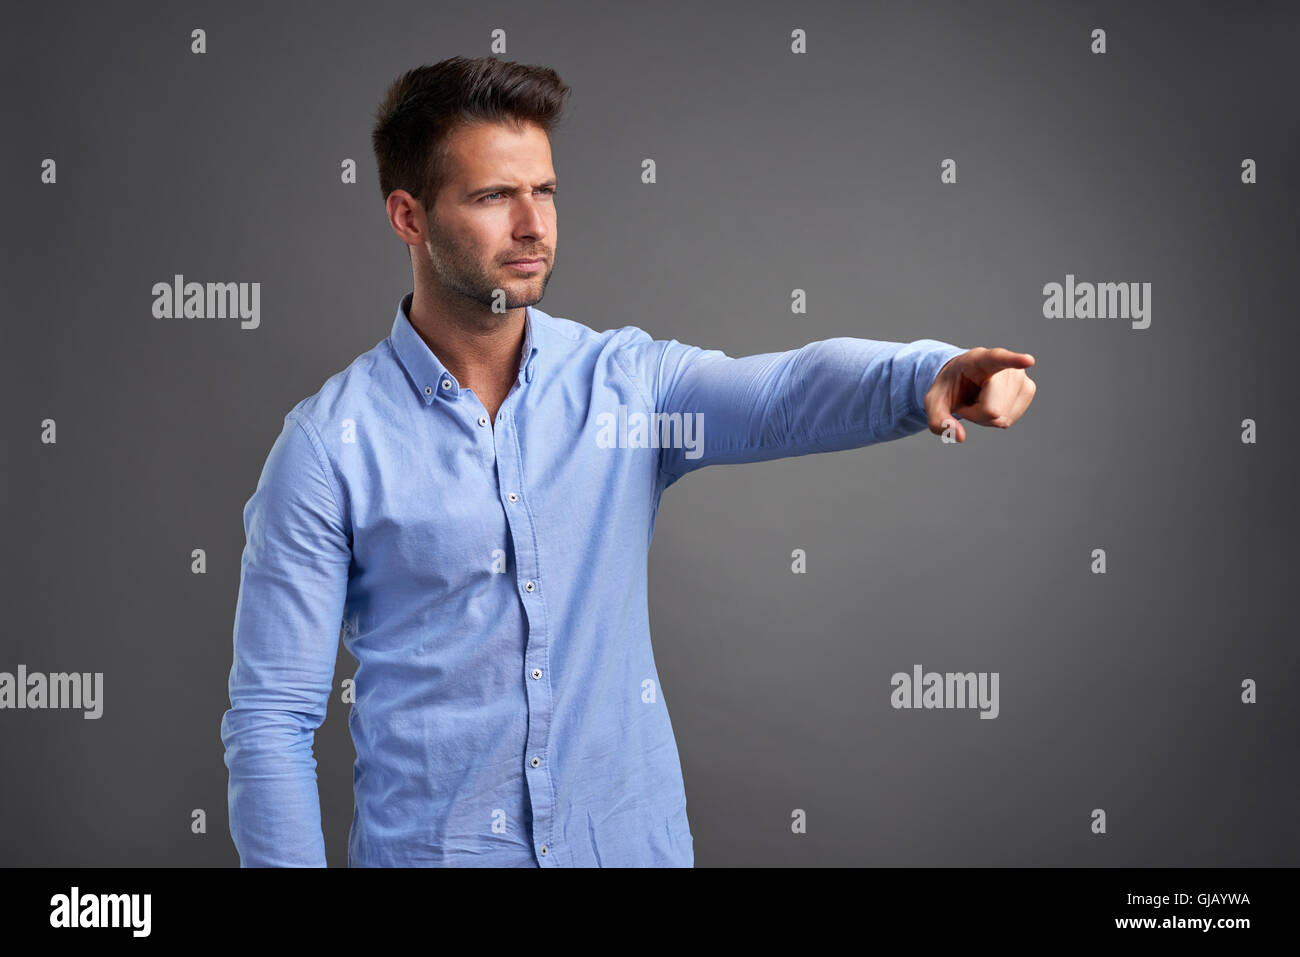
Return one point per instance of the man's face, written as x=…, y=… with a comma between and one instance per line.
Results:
x=497, y=205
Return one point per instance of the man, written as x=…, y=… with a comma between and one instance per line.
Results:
x=474, y=499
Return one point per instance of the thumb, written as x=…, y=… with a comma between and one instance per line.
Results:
x=941, y=418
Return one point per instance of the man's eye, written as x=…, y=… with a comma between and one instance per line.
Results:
x=548, y=190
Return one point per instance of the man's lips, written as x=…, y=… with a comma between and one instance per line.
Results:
x=525, y=261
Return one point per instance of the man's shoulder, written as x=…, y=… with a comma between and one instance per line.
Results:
x=582, y=335
x=628, y=348
x=350, y=391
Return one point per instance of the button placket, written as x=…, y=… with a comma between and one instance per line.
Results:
x=538, y=695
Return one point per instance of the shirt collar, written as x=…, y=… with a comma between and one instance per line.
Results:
x=427, y=373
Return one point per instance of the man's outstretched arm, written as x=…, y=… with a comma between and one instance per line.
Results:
x=833, y=394
x=293, y=584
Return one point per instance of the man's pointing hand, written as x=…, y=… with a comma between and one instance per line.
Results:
x=985, y=386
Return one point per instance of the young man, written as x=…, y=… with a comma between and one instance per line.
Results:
x=474, y=499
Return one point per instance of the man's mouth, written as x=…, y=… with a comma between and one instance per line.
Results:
x=527, y=265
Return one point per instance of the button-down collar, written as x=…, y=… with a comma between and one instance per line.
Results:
x=426, y=372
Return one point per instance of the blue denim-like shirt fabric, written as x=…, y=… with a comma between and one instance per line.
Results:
x=489, y=578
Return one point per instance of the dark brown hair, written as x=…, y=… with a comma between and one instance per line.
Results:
x=425, y=105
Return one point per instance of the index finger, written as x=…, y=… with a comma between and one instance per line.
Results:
x=992, y=360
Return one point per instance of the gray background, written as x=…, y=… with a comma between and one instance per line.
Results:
x=775, y=171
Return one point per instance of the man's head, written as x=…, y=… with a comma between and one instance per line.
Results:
x=464, y=156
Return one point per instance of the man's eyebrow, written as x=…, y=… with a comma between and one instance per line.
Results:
x=506, y=188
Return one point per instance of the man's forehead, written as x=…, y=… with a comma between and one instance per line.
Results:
x=478, y=148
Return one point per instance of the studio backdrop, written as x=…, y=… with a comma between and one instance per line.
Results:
x=1071, y=642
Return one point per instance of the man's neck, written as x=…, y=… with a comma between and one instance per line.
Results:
x=481, y=349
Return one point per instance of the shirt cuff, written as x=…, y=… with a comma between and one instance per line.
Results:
x=936, y=354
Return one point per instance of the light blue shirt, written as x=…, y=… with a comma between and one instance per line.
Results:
x=489, y=578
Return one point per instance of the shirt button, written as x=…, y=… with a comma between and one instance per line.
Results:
x=535, y=761
x=482, y=420
x=446, y=383
x=427, y=390
x=537, y=672
x=543, y=850
x=513, y=497
x=529, y=586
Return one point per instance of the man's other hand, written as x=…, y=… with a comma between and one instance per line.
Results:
x=984, y=386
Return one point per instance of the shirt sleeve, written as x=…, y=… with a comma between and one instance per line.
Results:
x=292, y=589
x=833, y=394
